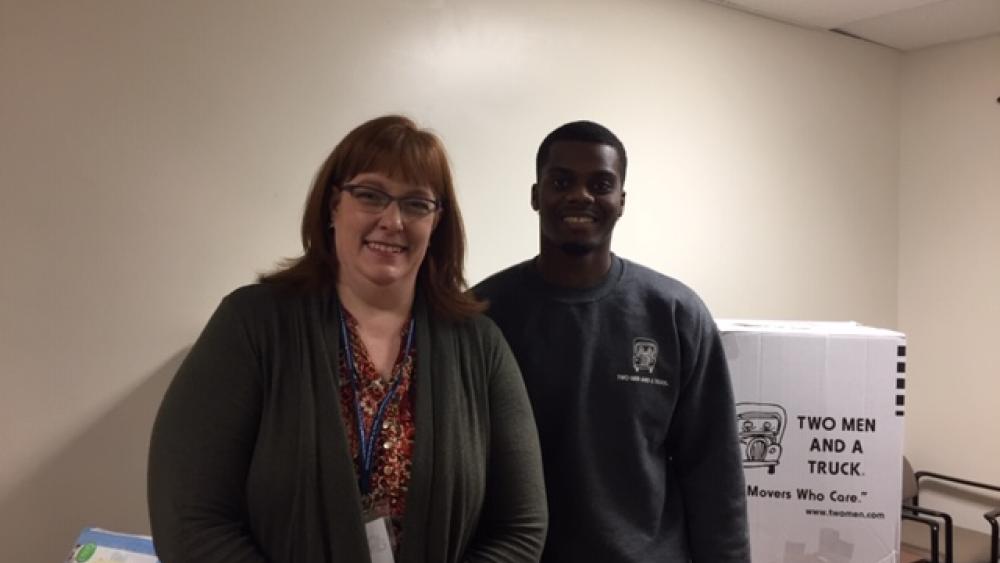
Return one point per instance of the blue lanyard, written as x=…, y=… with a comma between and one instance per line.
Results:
x=367, y=440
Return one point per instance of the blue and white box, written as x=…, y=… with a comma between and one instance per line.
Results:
x=95, y=545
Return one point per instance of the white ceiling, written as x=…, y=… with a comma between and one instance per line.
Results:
x=901, y=24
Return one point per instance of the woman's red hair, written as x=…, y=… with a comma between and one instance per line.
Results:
x=392, y=145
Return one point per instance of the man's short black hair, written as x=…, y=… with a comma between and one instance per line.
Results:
x=580, y=131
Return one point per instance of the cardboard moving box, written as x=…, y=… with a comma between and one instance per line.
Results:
x=820, y=415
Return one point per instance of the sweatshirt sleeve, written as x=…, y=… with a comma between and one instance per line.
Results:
x=201, y=445
x=515, y=516
x=705, y=451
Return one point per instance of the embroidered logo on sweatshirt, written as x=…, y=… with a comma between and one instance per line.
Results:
x=644, y=352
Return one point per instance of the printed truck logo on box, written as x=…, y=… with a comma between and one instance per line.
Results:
x=760, y=427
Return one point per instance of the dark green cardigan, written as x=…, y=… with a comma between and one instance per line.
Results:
x=249, y=460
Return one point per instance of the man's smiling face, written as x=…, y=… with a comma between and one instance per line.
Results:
x=579, y=197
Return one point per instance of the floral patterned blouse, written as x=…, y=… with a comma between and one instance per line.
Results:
x=390, y=477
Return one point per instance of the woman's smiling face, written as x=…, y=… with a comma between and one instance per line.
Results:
x=380, y=248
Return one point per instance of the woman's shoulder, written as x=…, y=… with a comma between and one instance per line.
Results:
x=254, y=293
x=249, y=299
x=270, y=301
x=267, y=292
x=477, y=324
x=476, y=331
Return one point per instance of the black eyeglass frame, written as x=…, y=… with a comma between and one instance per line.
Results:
x=437, y=205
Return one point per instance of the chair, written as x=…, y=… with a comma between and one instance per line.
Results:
x=935, y=538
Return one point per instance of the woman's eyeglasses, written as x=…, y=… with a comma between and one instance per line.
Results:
x=374, y=200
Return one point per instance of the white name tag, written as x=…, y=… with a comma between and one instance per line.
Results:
x=378, y=540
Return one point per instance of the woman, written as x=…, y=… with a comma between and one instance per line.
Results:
x=353, y=403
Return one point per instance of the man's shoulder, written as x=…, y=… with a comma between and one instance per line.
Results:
x=662, y=296
x=506, y=281
x=654, y=283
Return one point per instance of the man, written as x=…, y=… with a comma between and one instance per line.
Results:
x=627, y=376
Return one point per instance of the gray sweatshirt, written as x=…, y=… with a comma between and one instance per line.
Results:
x=631, y=393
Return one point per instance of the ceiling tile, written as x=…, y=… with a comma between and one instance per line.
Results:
x=931, y=24
x=823, y=14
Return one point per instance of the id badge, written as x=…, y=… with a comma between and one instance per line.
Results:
x=378, y=528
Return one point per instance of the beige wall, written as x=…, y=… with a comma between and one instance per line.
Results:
x=949, y=260
x=155, y=155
